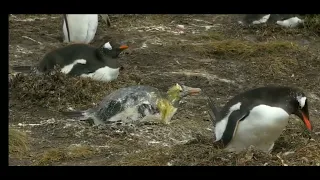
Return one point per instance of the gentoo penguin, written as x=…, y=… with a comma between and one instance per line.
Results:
x=82, y=60
x=257, y=117
x=136, y=104
x=285, y=20
x=81, y=27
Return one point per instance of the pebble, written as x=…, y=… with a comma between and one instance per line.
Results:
x=180, y=26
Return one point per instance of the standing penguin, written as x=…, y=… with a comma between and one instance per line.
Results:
x=82, y=60
x=257, y=117
x=80, y=28
x=135, y=104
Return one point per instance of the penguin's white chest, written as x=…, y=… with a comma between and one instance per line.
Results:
x=264, y=19
x=82, y=27
x=104, y=74
x=260, y=129
x=291, y=22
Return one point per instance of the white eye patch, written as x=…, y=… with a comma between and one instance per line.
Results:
x=302, y=101
x=107, y=46
x=80, y=61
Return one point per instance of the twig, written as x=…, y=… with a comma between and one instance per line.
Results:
x=32, y=39
x=282, y=161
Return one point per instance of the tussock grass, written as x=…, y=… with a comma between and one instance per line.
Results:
x=56, y=155
x=18, y=142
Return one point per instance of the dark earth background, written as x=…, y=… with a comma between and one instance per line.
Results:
x=211, y=52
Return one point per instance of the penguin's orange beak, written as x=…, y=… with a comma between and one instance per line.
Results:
x=123, y=47
x=303, y=114
x=190, y=90
x=306, y=122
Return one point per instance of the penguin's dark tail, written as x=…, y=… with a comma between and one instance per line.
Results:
x=106, y=19
x=22, y=69
x=213, y=111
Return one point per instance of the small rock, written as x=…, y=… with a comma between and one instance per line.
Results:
x=208, y=27
x=70, y=108
x=288, y=153
x=180, y=26
x=305, y=159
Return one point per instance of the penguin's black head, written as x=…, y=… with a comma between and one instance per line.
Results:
x=113, y=48
x=299, y=105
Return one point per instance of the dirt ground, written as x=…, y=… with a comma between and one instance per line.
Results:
x=211, y=52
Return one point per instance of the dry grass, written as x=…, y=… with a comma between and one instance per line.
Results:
x=273, y=58
x=82, y=151
x=292, y=149
x=18, y=143
x=59, y=91
x=147, y=157
x=226, y=49
x=51, y=156
x=312, y=23
x=54, y=155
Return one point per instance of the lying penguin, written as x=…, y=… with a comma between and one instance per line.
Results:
x=285, y=20
x=136, y=104
x=257, y=117
x=82, y=60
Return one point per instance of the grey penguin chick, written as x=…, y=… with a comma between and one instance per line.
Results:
x=136, y=104
x=258, y=116
x=82, y=60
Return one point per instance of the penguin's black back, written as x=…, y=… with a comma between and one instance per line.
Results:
x=68, y=54
x=279, y=96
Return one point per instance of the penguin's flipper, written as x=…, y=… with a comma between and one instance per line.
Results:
x=232, y=125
